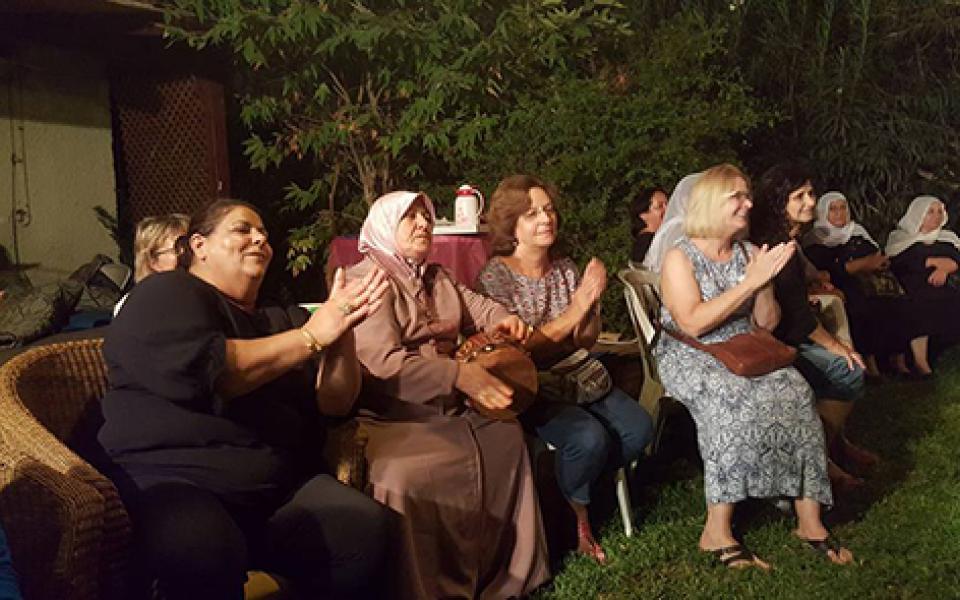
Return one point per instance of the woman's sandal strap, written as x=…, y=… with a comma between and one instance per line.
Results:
x=825, y=545
x=734, y=553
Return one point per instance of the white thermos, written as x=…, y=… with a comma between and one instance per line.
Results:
x=467, y=208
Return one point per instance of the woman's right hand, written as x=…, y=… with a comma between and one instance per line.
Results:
x=347, y=305
x=592, y=284
x=483, y=388
x=765, y=263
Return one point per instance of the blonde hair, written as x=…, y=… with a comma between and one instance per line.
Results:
x=151, y=233
x=708, y=197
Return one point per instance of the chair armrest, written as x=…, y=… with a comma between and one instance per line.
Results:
x=345, y=453
x=54, y=525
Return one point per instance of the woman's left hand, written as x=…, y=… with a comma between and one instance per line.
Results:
x=849, y=354
x=937, y=278
x=347, y=305
x=514, y=327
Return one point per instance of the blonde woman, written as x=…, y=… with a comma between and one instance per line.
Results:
x=759, y=437
x=154, y=244
x=154, y=247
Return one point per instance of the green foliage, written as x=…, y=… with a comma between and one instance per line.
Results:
x=599, y=137
x=903, y=527
x=868, y=90
x=597, y=96
x=378, y=94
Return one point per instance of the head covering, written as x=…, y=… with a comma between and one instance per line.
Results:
x=378, y=236
x=671, y=229
x=908, y=233
x=826, y=233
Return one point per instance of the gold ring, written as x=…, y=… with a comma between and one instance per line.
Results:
x=346, y=308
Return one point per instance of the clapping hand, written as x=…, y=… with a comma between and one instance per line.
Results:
x=347, y=305
x=765, y=262
x=592, y=285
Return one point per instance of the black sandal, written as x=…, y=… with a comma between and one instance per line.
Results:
x=825, y=546
x=735, y=553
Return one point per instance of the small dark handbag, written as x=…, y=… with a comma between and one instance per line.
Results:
x=880, y=284
x=750, y=354
x=578, y=378
x=509, y=363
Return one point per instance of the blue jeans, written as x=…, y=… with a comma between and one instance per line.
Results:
x=9, y=590
x=613, y=431
x=828, y=374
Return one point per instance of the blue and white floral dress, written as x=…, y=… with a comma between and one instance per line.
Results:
x=759, y=437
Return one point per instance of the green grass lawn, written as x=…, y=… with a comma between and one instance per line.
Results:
x=903, y=526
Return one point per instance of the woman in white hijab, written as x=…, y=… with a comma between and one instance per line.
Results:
x=672, y=228
x=882, y=319
x=925, y=257
x=461, y=483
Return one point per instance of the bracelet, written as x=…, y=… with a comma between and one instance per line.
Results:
x=312, y=343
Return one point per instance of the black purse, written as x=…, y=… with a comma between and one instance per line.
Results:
x=880, y=284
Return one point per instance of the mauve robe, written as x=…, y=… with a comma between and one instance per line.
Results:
x=462, y=482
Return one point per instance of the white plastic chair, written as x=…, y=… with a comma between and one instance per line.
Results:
x=833, y=316
x=623, y=495
x=641, y=290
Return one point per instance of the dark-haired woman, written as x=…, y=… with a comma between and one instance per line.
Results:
x=784, y=206
x=646, y=216
x=213, y=422
x=548, y=292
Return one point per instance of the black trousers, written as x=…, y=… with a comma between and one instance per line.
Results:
x=328, y=539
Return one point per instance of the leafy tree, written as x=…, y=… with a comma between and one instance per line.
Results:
x=380, y=94
x=867, y=90
x=667, y=106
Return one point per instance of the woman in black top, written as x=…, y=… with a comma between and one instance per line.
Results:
x=883, y=320
x=925, y=257
x=212, y=421
x=646, y=215
x=783, y=207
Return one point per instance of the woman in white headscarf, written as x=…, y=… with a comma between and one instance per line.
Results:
x=672, y=228
x=925, y=258
x=882, y=319
x=469, y=519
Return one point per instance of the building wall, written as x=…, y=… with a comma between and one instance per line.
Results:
x=55, y=121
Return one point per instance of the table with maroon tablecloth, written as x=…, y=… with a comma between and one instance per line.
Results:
x=462, y=255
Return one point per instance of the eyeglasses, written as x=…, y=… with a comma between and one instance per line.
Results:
x=162, y=251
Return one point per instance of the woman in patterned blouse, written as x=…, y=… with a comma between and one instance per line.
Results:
x=547, y=292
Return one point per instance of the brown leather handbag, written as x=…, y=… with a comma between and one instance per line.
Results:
x=508, y=362
x=750, y=354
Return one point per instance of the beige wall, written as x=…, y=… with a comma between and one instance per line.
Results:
x=55, y=118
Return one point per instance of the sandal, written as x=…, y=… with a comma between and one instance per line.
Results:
x=825, y=546
x=588, y=546
x=730, y=555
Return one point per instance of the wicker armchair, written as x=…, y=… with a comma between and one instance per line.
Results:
x=68, y=530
